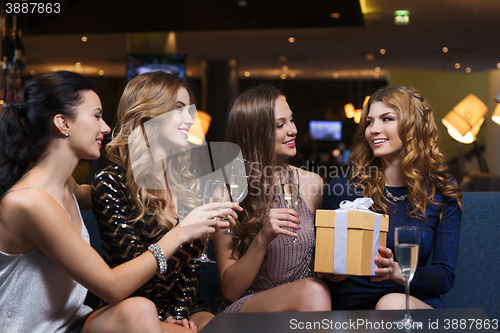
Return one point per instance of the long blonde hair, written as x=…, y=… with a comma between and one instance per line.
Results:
x=423, y=163
x=145, y=97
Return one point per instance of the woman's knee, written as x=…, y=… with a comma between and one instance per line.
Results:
x=314, y=295
x=394, y=301
x=138, y=314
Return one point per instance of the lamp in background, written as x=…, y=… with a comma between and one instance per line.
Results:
x=198, y=131
x=496, y=114
x=463, y=124
x=357, y=112
x=349, y=110
x=465, y=120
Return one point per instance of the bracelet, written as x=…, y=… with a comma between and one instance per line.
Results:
x=159, y=256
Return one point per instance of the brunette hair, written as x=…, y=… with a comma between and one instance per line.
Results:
x=27, y=128
x=423, y=163
x=251, y=125
x=145, y=97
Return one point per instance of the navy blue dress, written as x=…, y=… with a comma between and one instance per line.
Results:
x=439, y=238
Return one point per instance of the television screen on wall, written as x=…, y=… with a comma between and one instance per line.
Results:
x=168, y=63
x=325, y=130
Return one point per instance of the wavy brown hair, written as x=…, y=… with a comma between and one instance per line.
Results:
x=145, y=97
x=423, y=163
x=251, y=125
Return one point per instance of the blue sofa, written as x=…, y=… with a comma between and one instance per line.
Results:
x=477, y=281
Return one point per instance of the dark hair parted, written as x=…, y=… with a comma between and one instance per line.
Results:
x=27, y=128
x=423, y=163
x=252, y=126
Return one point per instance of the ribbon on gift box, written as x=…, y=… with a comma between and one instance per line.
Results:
x=340, y=258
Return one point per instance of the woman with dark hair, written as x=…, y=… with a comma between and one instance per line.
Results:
x=46, y=262
x=257, y=271
x=136, y=199
x=396, y=161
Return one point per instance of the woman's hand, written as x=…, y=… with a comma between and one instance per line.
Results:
x=277, y=221
x=386, y=267
x=224, y=212
x=182, y=322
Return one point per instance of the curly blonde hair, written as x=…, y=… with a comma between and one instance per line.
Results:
x=251, y=125
x=145, y=97
x=423, y=163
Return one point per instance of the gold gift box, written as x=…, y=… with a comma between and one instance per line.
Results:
x=360, y=233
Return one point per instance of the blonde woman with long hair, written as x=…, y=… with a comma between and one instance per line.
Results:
x=396, y=161
x=134, y=199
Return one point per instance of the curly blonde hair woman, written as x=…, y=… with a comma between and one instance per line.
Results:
x=396, y=161
x=134, y=199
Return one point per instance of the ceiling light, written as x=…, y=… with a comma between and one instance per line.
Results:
x=78, y=64
x=468, y=70
x=382, y=51
x=292, y=75
x=376, y=75
x=284, y=68
x=291, y=40
x=498, y=65
x=282, y=58
x=369, y=56
x=377, y=69
x=101, y=72
x=84, y=39
x=189, y=73
x=335, y=75
x=445, y=49
x=283, y=76
x=335, y=16
x=457, y=65
x=247, y=73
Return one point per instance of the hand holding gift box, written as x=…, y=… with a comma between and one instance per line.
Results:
x=347, y=239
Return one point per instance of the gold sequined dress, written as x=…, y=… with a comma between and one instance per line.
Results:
x=174, y=293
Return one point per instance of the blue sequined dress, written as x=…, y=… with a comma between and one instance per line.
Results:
x=439, y=238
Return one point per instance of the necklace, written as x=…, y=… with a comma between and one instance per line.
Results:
x=396, y=199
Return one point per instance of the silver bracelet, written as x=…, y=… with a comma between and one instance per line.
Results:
x=159, y=256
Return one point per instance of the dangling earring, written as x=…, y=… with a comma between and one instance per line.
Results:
x=66, y=134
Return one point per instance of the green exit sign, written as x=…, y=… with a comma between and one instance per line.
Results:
x=402, y=17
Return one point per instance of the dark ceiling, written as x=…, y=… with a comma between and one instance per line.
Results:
x=118, y=16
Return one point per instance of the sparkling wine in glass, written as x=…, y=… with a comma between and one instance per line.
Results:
x=406, y=240
x=214, y=192
x=239, y=172
x=290, y=188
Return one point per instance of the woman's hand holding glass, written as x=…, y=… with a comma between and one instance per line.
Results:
x=277, y=222
x=223, y=213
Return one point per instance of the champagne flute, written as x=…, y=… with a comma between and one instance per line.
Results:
x=406, y=240
x=289, y=179
x=214, y=192
x=239, y=174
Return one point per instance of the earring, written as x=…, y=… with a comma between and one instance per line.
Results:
x=66, y=134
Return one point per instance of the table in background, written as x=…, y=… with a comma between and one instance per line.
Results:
x=433, y=320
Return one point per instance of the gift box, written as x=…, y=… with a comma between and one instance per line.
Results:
x=347, y=239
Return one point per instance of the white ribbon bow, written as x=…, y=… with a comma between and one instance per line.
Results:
x=358, y=204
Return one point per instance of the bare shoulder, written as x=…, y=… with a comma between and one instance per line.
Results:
x=308, y=177
x=311, y=189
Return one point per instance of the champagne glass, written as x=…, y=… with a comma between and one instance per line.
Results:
x=214, y=192
x=239, y=174
x=289, y=179
x=406, y=240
